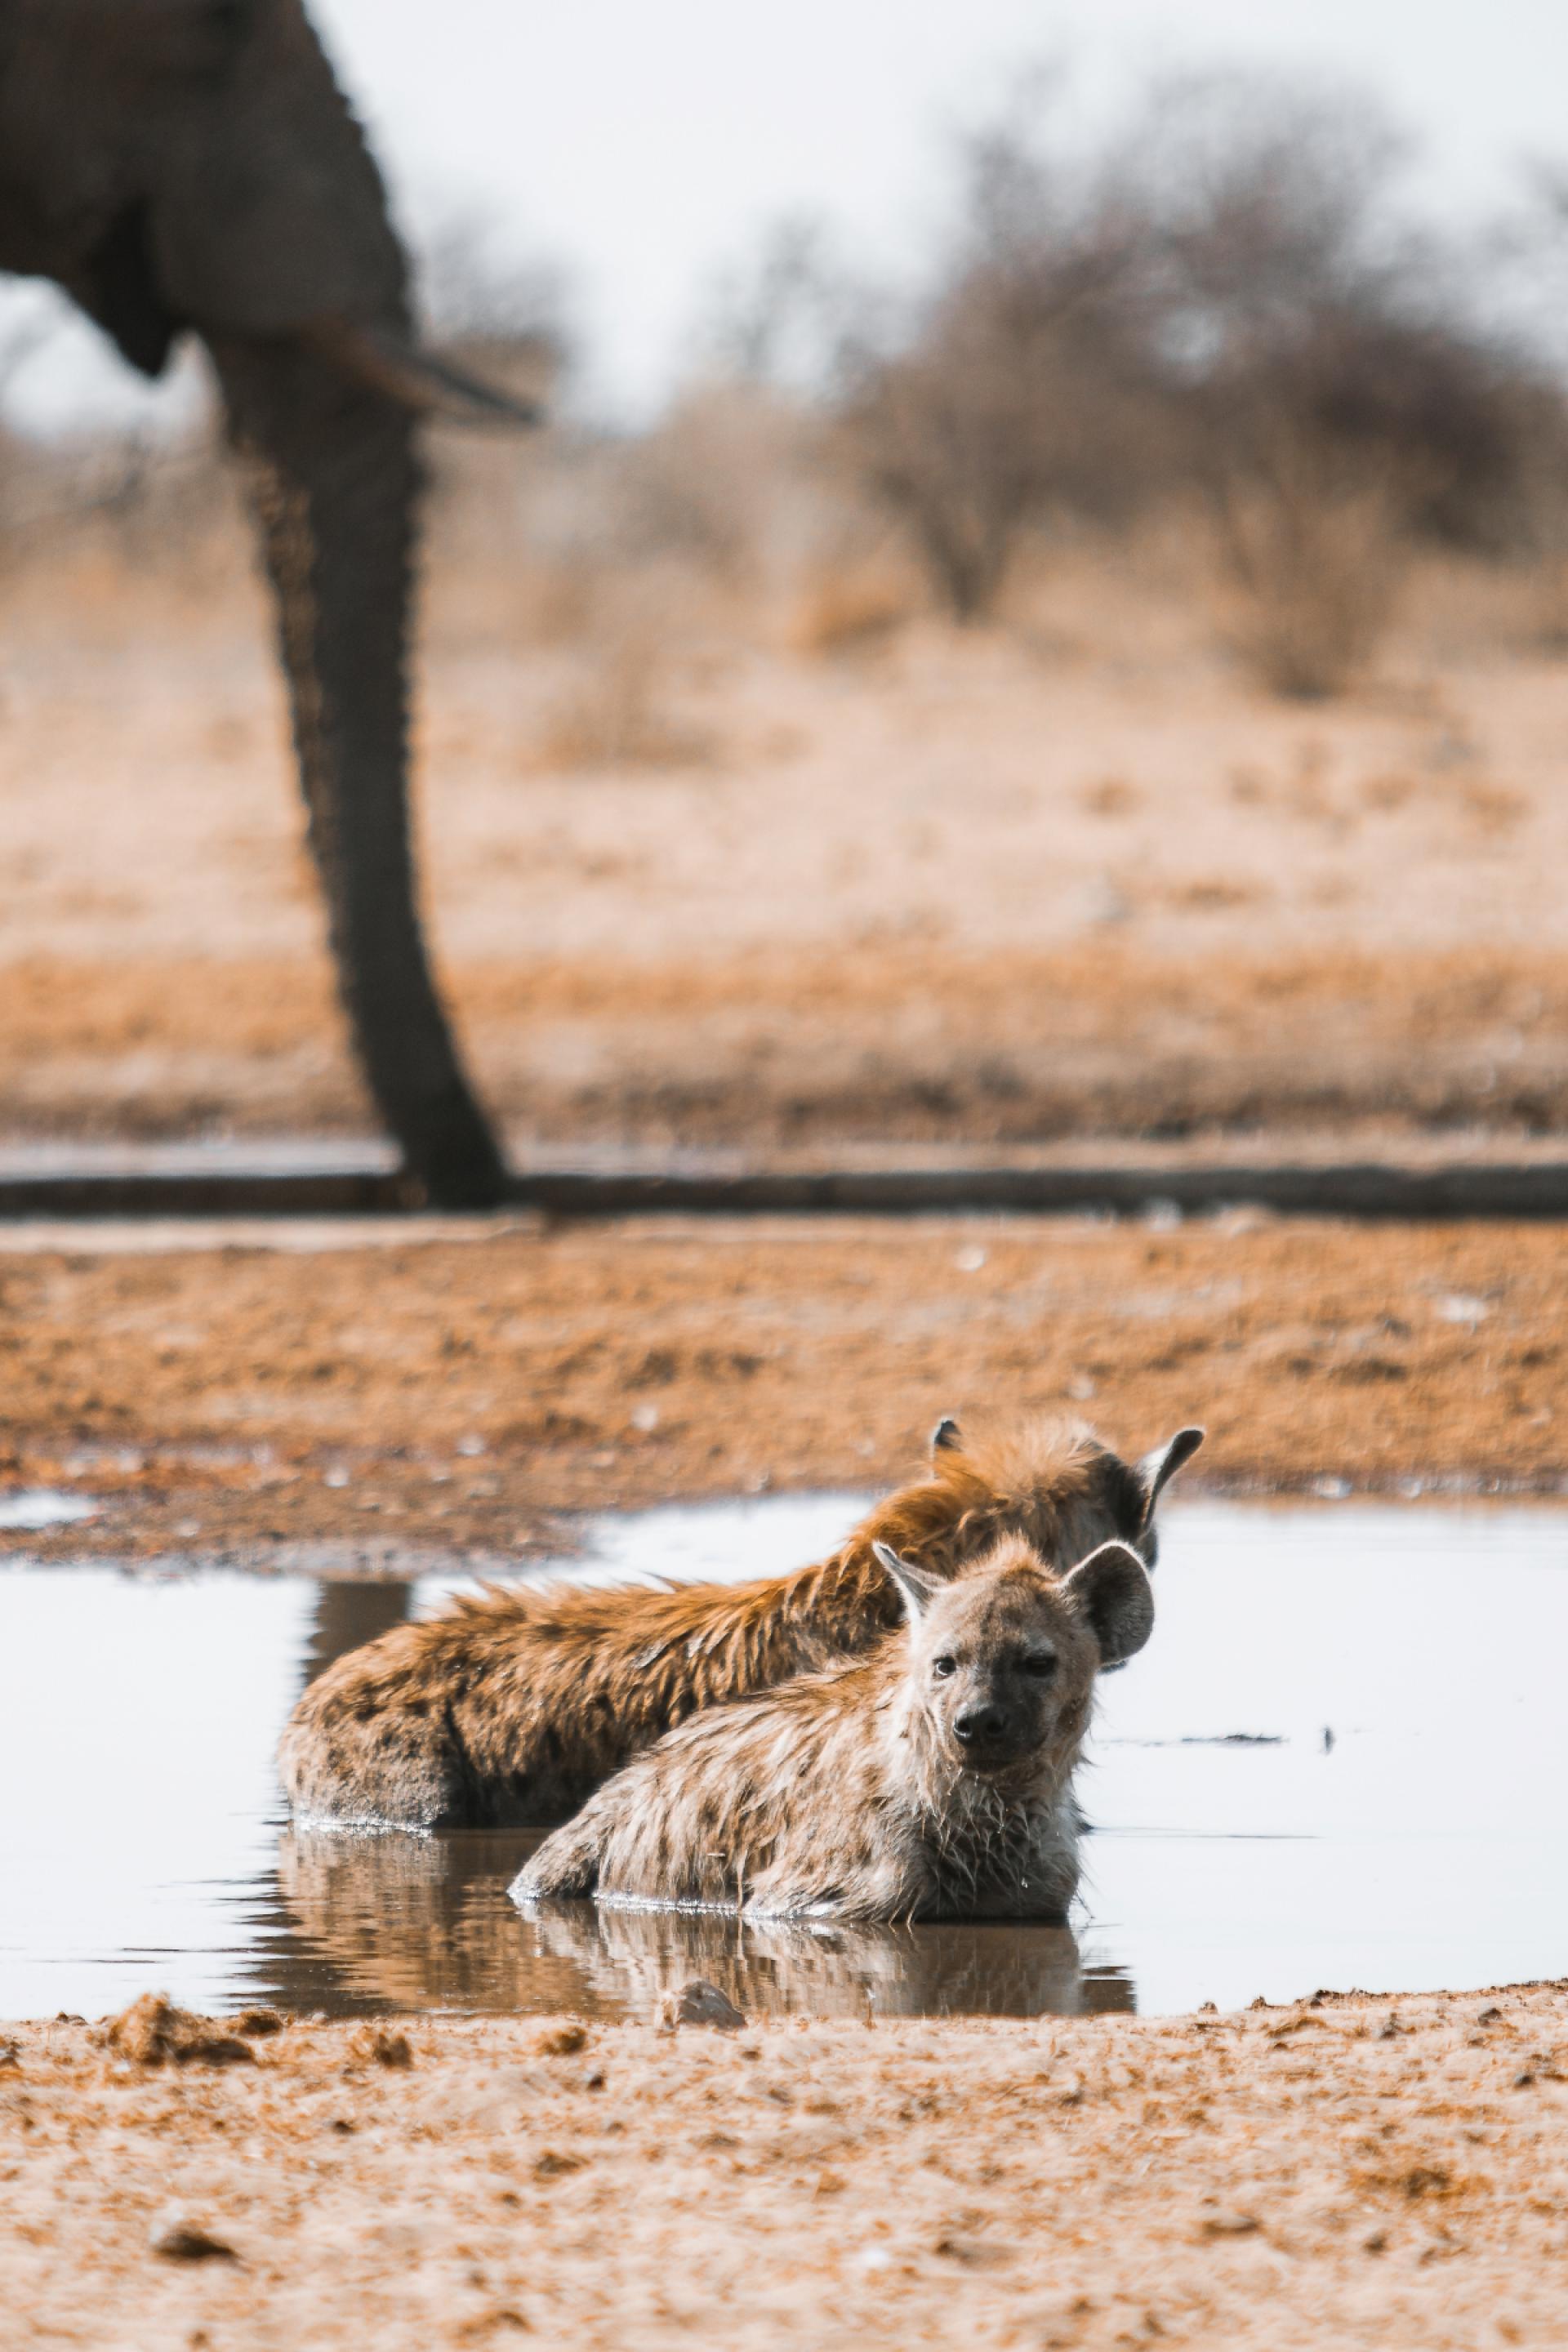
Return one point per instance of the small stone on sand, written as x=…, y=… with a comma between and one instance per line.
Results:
x=699, y=2003
x=177, y=2239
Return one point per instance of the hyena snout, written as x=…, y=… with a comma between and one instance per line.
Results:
x=989, y=1730
x=994, y=1718
x=977, y=1725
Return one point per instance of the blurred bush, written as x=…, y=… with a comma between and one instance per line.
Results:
x=1219, y=324
x=1225, y=305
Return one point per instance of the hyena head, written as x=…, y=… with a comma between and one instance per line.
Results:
x=1002, y=1661
x=1059, y=1486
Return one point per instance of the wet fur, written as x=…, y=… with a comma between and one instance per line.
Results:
x=511, y=1707
x=845, y=1795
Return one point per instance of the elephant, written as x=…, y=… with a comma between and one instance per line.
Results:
x=190, y=166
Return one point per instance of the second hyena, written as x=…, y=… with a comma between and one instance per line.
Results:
x=933, y=1779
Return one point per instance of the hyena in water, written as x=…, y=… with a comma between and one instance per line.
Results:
x=933, y=1779
x=514, y=1706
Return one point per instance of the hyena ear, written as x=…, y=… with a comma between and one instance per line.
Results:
x=1156, y=1470
x=946, y=1437
x=914, y=1585
x=1112, y=1589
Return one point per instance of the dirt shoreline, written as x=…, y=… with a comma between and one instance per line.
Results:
x=1354, y=2171
x=459, y=1397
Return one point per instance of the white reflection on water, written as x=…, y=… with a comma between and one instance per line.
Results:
x=1424, y=1846
x=1420, y=1847
x=137, y=1722
x=689, y=1543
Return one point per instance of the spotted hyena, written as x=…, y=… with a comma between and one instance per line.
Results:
x=931, y=1779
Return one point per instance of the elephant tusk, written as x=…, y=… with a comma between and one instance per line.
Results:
x=415, y=378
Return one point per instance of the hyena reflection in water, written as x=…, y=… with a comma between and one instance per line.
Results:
x=416, y=1922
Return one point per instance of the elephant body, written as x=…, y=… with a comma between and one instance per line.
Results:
x=191, y=166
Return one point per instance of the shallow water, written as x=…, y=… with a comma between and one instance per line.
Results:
x=1339, y=1762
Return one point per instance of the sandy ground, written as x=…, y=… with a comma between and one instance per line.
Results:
x=1071, y=874
x=1386, y=2173
x=384, y=1401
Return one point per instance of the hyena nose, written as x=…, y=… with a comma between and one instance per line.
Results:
x=979, y=1723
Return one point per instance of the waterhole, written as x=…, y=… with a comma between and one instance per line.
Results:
x=1340, y=1762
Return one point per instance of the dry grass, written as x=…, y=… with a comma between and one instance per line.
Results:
x=847, y=609
x=895, y=1041
x=1311, y=570
x=953, y=891
x=618, y=715
x=1549, y=601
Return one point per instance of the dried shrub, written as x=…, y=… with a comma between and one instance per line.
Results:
x=1225, y=298
x=565, y=2040
x=1313, y=559
x=1489, y=806
x=698, y=488
x=616, y=715
x=1344, y=406
x=1111, y=796
x=567, y=593
x=1022, y=393
x=1545, y=542
x=848, y=608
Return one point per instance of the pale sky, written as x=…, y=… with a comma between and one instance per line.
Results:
x=643, y=147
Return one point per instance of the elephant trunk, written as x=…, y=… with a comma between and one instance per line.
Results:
x=334, y=481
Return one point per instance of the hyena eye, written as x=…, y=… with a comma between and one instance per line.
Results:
x=1041, y=1664
x=944, y=1666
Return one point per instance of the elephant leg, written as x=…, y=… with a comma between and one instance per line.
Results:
x=334, y=482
